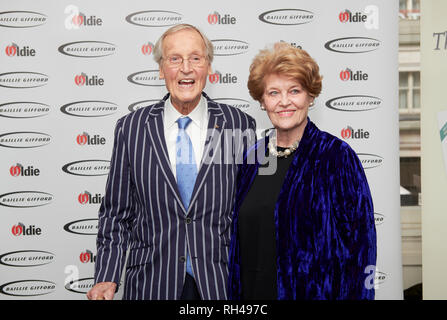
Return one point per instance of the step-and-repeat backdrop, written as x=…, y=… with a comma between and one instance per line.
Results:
x=70, y=69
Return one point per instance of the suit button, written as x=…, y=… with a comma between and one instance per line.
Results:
x=188, y=220
x=182, y=259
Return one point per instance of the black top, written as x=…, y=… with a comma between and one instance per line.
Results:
x=257, y=234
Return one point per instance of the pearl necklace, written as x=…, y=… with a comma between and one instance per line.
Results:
x=287, y=152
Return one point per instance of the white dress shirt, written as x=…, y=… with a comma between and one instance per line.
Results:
x=196, y=130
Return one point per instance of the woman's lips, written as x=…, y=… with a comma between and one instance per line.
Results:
x=286, y=113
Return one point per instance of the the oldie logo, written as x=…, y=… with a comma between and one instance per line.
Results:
x=85, y=80
x=87, y=257
x=87, y=198
x=13, y=50
x=22, y=19
x=83, y=227
x=81, y=285
x=25, y=199
x=154, y=18
x=81, y=19
x=149, y=78
x=26, y=258
x=349, y=75
x=350, y=133
x=20, y=229
x=86, y=139
x=23, y=80
x=369, y=18
x=217, y=18
x=218, y=78
x=19, y=170
x=353, y=45
x=27, y=288
x=348, y=16
x=229, y=47
x=141, y=104
x=87, y=49
x=286, y=17
x=77, y=19
x=147, y=48
x=369, y=160
x=378, y=218
x=354, y=103
x=23, y=110
x=87, y=168
x=24, y=139
x=89, y=108
x=237, y=103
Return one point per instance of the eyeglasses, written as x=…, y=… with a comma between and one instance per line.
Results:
x=195, y=60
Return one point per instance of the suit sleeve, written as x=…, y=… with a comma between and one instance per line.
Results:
x=115, y=214
x=355, y=230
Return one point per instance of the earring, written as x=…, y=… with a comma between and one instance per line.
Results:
x=262, y=107
x=311, y=104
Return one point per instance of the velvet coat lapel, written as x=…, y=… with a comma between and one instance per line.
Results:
x=325, y=232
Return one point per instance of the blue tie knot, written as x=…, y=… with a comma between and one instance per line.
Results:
x=183, y=122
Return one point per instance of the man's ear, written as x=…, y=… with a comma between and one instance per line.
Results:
x=161, y=73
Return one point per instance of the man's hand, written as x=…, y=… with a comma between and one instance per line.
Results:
x=102, y=291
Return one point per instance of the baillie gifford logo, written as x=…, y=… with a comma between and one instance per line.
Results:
x=25, y=199
x=88, y=81
x=27, y=288
x=217, y=18
x=23, y=79
x=154, y=18
x=22, y=19
x=86, y=139
x=13, y=50
x=353, y=45
x=87, y=168
x=350, y=133
x=218, y=78
x=19, y=170
x=87, y=257
x=27, y=258
x=87, y=49
x=287, y=17
x=83, y=227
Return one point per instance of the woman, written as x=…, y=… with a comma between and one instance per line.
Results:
x=307, y=231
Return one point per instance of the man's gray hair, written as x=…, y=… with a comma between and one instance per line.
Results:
x=158, y=49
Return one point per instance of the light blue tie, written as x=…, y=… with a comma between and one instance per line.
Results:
x=186, y=169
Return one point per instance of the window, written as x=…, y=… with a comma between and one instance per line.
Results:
x=409, y=9
x=409, y=92
x=410, y=181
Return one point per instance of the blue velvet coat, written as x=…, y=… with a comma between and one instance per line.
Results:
x=324, y=218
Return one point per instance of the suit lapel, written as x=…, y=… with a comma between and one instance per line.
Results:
x=216, y=125
x=155, y=130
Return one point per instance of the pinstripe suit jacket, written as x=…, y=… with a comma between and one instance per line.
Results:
x=142, y=210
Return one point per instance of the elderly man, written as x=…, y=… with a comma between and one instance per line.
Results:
x=170, y=191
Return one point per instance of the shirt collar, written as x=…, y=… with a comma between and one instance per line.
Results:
x=198, y=115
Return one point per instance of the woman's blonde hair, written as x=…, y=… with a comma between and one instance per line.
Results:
x=286, y=60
